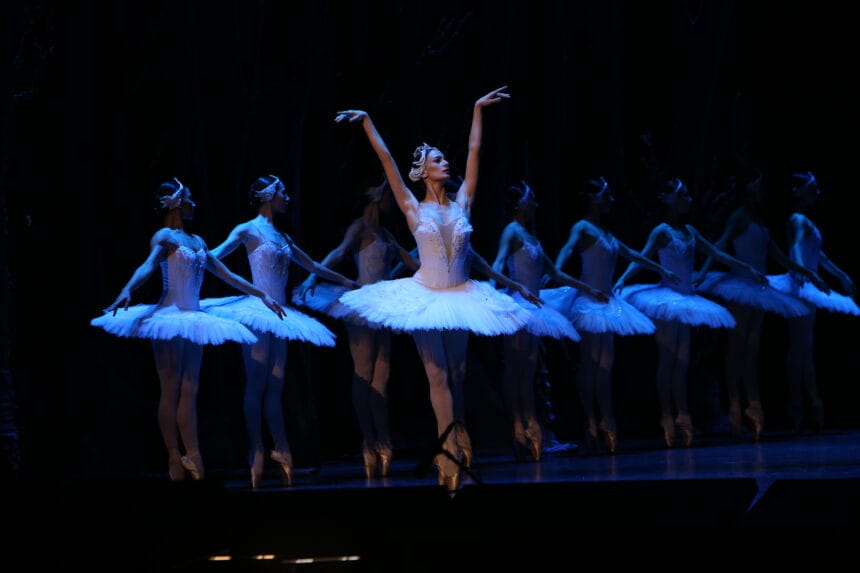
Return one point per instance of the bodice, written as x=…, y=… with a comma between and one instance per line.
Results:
x=598, y=263
x=182, y=276
x=525, y=265
x=443, y=241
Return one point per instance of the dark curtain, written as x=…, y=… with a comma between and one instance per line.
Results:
x=105, y=100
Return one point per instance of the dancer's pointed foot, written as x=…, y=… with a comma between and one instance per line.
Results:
x=175, y=468
x=685, y=423
x=368, y=457
x=668, y=431
x=193, y=462
x=755, y=415
x=384, y=453
x=534, y=437
x=284, y=460
x=257, y=468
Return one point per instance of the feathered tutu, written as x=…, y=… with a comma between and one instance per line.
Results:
x=660, y=302
x=406, y=305
x=251, y=312
x=743, y=289
x=158, y=322
x=590, y=315
x=808, y=292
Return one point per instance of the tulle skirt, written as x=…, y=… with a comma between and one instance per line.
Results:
x=590, y=315
x=660, y=302
x=250, y=311
x=745, y=290
x=323, y=298
x=809, y=293
x=158, y=322
x=405, y=305
x=547, y=321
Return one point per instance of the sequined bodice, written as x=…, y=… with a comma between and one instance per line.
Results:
x=443, y=246
x=525, y=265
x=270, y=268
x=182, y=277
x=678, y=256
x=598, y=263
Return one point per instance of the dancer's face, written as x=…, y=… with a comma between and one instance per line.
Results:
x=436, y=166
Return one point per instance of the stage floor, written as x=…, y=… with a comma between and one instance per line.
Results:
x=717, y=495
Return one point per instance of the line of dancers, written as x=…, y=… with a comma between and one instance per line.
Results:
x=440, y=306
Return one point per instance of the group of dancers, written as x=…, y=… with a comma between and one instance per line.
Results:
x=440, y=306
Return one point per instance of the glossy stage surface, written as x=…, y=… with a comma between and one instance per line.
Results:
x=786, y=493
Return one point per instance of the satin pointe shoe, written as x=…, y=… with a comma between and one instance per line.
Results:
x=610, y=437
x=368, y=456
x=685, y=423
x=257, y=468
x=194, y=464
x=175, y=468
x=755, y=415
x=668, y=431
x=449, y=473
x=464, y=443
x=384, y=454
x=285, y=464
x=534, y=437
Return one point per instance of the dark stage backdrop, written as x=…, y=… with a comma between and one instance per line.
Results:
x=102, y=101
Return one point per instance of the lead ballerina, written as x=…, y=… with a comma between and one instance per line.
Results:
x=439, y=305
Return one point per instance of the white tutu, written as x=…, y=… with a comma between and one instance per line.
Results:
x=808, y=292
x=547, y=321
x=406, y=305
x=324, y=299
x=743, y=289
x=167, y=322
x=664, y=303
x=250, y=311
x=590, y=315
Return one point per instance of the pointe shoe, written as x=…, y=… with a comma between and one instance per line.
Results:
x=384, y=455
x=755, y=415
x=194, y=465
x=534, y=437
x=685, y=423
x=464, y=443
x=451, y=481
x=175, y=468
x=285, y=463
x=668, y=431
x=368, y=456
x=610, y=437
x=257, y=468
